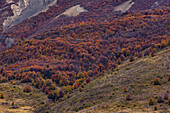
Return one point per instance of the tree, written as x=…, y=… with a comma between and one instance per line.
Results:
x=152, y=54
x=4, y=79
x=157, y=81
x=49, y=82
x=131, y=59
x=51, y=95
x=44, y=87
x=87, y=80
x=128, y=96
x=122, y=57
x=140, y=55
x=119, y=61
x=61, y=93
x=160, y=99
x=151, y=101
x=2, y=96
x=28, y=89
x=46, y=91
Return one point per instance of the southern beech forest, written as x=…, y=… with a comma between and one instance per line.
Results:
x=62, y=55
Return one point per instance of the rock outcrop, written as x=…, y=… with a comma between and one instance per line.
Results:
x=25, y=9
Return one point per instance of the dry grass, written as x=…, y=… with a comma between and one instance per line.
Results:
x=23, y=102
x=103, y=94
x=137, y=76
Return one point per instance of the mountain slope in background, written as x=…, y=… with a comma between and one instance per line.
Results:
x=19, y=12
x=24, y=9
x=55, y=51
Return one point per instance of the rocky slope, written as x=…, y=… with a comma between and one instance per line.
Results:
x=24, y=9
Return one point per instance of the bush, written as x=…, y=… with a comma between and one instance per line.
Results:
x=51, y=95
x=131, y=59
x=126, y=90
x=160, y=100
x=157, y=81
x=2, y=96
x=151, y=101
x=28, y=89
x=80, y=89
x=119, y=61
x=49, y=82
x=44, y=87
x=166, y=96
x=128, y=96
x=152, y=54
x=46, y=91
x=155, y=108
x=140, y=55
x=13, y=104
x=87, y=80
x=13, y=82
x=61, y=93
x=4, y=79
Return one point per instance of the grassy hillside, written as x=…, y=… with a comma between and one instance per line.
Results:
x=23, y=102
x=103, y=94
x=108, y=94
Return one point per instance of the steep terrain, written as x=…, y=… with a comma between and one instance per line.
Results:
x=77, y=55
x=104, y=94
x=28, y=18
x=24, y=9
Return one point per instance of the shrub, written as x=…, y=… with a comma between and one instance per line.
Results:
x=80, y=89
x=46, y=91
x=28, y=89
x=126, y=90
x=56, y=95
x=119, y=61
x=131, y=59
x=166, y=96
x=4, y=79
x=52, y=87
x=140, y=55
x=87, y=80
x=44, y=87
x=13, y=104
x=151, y=101
x=51, y=95
x=152, y=54
x=13, y=82
x=2, y=96
x=155, y=108
x=61, y=93
x=157, y=81
x=49, y=82
x=160, y=99
x=128, y=96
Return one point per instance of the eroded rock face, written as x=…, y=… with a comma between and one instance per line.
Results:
x=9, y=42
x=73, y=11
x=25, y=9
x=125, y=6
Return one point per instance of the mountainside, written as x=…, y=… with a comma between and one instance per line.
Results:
x=106, y=94
x=61, y=47
x=24, y=9
x=29, y=18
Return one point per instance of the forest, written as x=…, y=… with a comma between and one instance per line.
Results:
x=64, y=58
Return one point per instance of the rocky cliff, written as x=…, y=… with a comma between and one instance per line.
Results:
x=24, y=9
